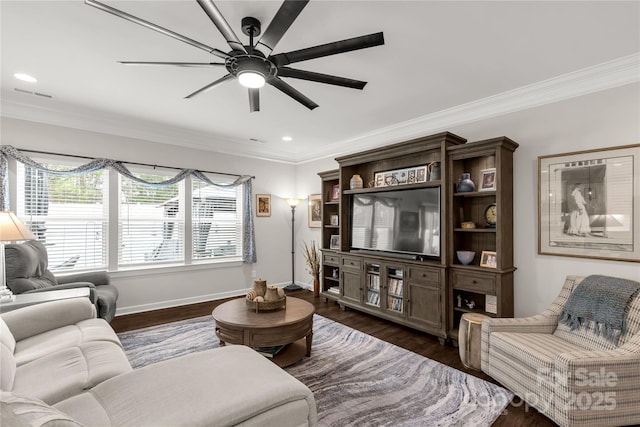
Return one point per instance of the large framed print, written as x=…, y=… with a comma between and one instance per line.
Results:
x=588, y=204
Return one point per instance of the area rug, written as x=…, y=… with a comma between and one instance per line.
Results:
x=357, y=379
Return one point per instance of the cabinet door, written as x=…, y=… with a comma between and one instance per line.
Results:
x=352, y=285
x=372, y=286
x=394, y=289
x=425, y=304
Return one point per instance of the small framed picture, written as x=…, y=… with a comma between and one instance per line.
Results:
x=335, y=193
x=489, y=259
x=315, y=210
x=335, y=242
x=334, y=220
x=263, y=201
x=488, y=180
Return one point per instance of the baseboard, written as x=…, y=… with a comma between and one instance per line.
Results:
x=191, y=300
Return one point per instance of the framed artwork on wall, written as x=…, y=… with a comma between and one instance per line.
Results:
x=315, y=210
x=588, y=204
x=263, y=203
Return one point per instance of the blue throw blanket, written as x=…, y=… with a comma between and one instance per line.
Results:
x=602, y=300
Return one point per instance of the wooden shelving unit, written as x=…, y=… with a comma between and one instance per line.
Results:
x=423, y=293
x=488, y=290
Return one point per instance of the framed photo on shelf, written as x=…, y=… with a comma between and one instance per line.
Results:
x=489, y=259
x=488, y=180
x=402, y=176
x=263, y=202
x=334, y=243
x=315, y=210
x=587, y=204
x=335, y=193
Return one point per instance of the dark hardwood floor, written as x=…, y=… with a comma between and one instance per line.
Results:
x=516, y=414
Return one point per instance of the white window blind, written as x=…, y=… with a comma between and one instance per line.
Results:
x=151, y=220
x=216, y=221
x=66, y=213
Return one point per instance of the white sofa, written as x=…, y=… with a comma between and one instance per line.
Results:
x=61, y=365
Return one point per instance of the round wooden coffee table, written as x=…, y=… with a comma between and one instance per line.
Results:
x=238, y=324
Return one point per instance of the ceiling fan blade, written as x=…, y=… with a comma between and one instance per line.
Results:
x=175, y=64
x=210, y=85
x=254, y=99
x=320, y=78
x=319, y=51
x=292, y=92
x=151, y=26
x=223, y=26
x=279, y=25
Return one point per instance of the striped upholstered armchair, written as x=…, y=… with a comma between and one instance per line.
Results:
x=577, y=373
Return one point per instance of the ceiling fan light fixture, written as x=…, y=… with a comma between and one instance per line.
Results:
x=251, y=79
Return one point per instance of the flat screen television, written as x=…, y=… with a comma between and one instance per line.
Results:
x=403, y=221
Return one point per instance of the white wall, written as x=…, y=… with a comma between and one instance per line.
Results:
x=599, y=120
x=603, y=119
x=145, y=290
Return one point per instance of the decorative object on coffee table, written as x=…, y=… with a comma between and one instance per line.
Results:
x=265, y=298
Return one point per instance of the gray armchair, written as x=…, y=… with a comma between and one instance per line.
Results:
x=27, y=272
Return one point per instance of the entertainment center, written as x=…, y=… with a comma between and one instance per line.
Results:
x=389, y=248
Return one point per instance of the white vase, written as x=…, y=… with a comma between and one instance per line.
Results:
x=356, y=182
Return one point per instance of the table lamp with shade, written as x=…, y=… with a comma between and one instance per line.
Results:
x=11, y=230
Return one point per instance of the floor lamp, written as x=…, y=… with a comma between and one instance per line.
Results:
x=11, y=230
x=293, y=287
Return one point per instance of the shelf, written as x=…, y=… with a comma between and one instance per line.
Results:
x=475, y=230
x=331, y=226
x=476, y=194
x=473, y=310
x=334, y=202
x=428, y=184
x=333, y=279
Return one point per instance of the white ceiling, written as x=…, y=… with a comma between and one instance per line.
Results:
x=438, y=57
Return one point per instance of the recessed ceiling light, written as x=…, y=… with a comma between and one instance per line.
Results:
x=287, y=138
x=25, y=77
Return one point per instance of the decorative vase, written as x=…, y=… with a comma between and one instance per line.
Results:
x=260, y=286
x=356, y=182
x=271, y=294
x=465, y=185
x=316, y=286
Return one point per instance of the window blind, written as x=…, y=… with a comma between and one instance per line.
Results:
x=216, y=221
x=151, y=220
x=68, y=214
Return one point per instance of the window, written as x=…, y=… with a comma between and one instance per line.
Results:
x=216, y=221
x=151, y=223
x=66, y=213
x=146, y=225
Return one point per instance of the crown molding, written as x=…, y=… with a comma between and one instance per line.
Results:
x=608, y=75
x=618, y=72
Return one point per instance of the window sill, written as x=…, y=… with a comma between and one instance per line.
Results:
x=175, y=268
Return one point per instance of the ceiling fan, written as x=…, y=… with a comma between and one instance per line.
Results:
x=253, y=64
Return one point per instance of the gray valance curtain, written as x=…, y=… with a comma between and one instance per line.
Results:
x=248, y=236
